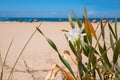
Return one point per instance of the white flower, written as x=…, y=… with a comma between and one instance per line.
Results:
x=75, y=34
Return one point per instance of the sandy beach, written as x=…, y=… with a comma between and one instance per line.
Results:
x=38, y=55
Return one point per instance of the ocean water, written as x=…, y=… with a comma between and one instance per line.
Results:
x=50, y=19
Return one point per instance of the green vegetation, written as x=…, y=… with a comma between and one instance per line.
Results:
x=85, y=41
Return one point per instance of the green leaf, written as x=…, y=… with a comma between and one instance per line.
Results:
x=85, y=50
x=110, y=27
x=99, y=73
x=71, y=22
x=84, y=68
x=112, y=42
x=48, y=40
x=72, y=48
x=39, y=30
x=88, y=27
x=85, y=38
x=102, y=31
x=104, y=55
x=94, y=50
x=51, y=44
x=66, y=64
x=92, y=58
x=116, y=28
x=80, y=69
x=1, y=62
x=64, y=30
x=4, y=61
x=61, y=58
x=116, y=52
x=77, y=44
x=78, y=22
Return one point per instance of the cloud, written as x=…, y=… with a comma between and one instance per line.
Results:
x=91, y=13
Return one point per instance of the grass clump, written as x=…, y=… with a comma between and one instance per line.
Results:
x=85, y=41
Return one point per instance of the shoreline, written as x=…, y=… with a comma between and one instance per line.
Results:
x=53, y=19
x=46, y=21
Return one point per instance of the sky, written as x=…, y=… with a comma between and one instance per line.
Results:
x=59, y=8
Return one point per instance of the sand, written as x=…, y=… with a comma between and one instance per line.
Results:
x=38, y=55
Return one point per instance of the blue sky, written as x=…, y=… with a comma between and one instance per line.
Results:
x=59, y=8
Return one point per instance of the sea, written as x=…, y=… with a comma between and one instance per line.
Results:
x=50, y=19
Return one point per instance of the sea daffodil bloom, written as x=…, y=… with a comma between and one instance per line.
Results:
x=75, y=34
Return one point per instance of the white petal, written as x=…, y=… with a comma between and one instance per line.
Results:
x=84, y=34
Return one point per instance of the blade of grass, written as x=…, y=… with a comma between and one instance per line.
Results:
x=93, y=61
x=99, y=73
x=85, y=49
x=110, y=27
x=102, y=30
x=71, y=46
x=85, y=39
x=78, y=22
x=80, y=69
x=22, y=52
x=116, y=28
x=67, y=75
x=92, y=30
x=51, y=43
x=102, y=51
x=103, y=36
x=97, y=43
x=116, y=52
x=8, y=51
x=85, y=12
x=66, y=64
x=71, y=22
x=104, y=44
x=1, y=64
x=64, y=30
x=89, y=63
x=79, y=60
x=28, y=70
x=97, y=26
x=2, y=72
x=112, y=42
x=87, y=29
x=1, y=59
